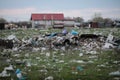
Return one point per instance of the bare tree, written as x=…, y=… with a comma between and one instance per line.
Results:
x=107, y=20
x=78, y=19
x=2, y=20
x=97, y=17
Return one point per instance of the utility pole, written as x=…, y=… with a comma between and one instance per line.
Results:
x=45, y=21
x=52, y=21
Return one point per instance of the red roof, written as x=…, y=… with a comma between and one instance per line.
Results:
x=47, y=16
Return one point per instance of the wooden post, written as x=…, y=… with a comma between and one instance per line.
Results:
x=33, y=26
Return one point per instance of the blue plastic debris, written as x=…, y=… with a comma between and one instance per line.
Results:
x=64, y=31
x=19, y=75
x=79, y=68
x=73, y=32
x=116, y=73
x=119, y=47
x=18, y=71
x=52, y=35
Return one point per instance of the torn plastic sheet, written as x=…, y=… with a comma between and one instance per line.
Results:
x=10, y=37
x=116, y=73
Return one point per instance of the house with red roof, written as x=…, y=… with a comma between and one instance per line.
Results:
x=54, y=20
x=46, y=20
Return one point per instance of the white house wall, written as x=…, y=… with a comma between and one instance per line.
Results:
x=33, y=26
x=47, y=22
x=58, y=21
x=50, y=23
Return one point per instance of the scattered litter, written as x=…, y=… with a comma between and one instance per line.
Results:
x=27, y=55
x=43, y=71
x=92, y=57
x=87, y=45
x=90, y=61
x=43, y=49
x=102, y=65
x=78, y=61
x=16, y=55
x=49, y=78
x=74, y=72
x=119, y=47
x=10, y=68
x=116, y=62
x=109, y=38
x=63, y=48
x=81, y=54
x=47, y=54
x=28, y=64
x=37, y=58
x=8, y=60
x=19, y=62
x=73, y=32
x=79, y=68
x=36, y=49
x=62, y=54
x=10, y=37
x=19, y=74
x=15, y=49
x=116, y=73
x=92, y=52
x=61, y=61
x=98, y=69
x=116, y=78
x=4, y=74
x=108, y=46
x=64, y=31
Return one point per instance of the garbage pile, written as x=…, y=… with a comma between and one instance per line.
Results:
x=46, y=61
x=58, y=40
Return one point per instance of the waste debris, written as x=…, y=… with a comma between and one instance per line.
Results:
x=79, y=68
x=9, y=68
x=61, y=40
x=4, y=73
x=20, y=75
x=49, y=78
x=11, y=37
x=52, y=49
x=81, y=54
x=116, y=73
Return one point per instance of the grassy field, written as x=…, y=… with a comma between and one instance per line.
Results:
x=60, y=64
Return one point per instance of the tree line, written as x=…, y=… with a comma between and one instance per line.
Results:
x=96, y=18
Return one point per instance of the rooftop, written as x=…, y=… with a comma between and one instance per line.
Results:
x=48, y=16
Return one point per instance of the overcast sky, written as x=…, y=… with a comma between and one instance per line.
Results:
x=17, y=10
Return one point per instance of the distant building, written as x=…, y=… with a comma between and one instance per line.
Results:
x=2, y=26
x=47, y=20
x=93, y=25
x=69, y=22
x=117, y=23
